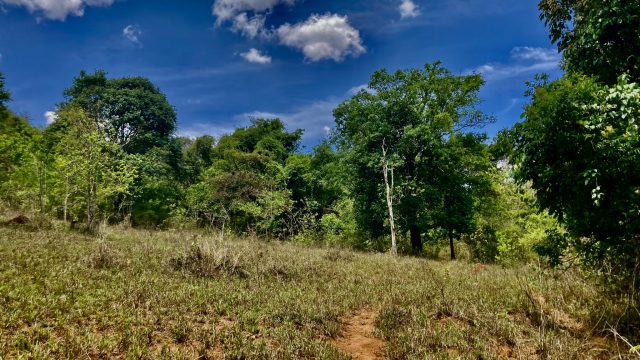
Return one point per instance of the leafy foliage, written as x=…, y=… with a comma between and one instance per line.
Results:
x=598, y=38
x=579, y=148
x=419, y=115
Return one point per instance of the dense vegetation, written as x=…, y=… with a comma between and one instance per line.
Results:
x=407, y=169
x=112, y=156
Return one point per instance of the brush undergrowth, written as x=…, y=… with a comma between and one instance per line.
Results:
x=142, y=294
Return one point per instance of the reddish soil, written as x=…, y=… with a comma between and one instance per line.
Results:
x=357, y=338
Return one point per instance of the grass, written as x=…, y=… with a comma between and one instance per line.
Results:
x=142, y=294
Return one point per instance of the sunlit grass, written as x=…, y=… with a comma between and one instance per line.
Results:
x=142, y=294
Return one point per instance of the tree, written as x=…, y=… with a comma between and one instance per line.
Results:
x=317, y=185
x=463, y=182
x=579, y=146
x=132, y=111
x=198, y=156
x=133, y=114
x=21, y=167
x=415, y=113
x=389, y=185
x=89, y=167
x=597, y=38
x=245, y=186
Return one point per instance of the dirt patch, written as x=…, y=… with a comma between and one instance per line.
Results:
x=505, y=352
x=357, y=338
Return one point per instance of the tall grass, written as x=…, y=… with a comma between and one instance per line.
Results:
x=180, y=294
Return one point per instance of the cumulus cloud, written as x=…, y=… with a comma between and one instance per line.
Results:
x=132, y=33
x=228, y=9
x=323, y=37
x=248, y=17
x=57, y=9
x=524, y=60
x=250, y=27
x=50, y=117
x=256, y=57
x=408, y=9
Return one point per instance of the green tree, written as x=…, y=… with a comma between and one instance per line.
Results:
x=133, y=114
x=579, y=147
x=89, y=169
x=245, y=187
x=417, y=114
x=22, y=171
x=316, y=182
x=198, y=156
x=132, y=111
x=598, y=38
x=463, y=181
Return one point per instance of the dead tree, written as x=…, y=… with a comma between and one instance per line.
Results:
x=389, y=190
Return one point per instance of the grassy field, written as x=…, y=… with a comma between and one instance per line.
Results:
x=142, y=294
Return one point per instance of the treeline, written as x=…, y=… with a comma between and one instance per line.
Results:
x=406, y=165
x=112, y=155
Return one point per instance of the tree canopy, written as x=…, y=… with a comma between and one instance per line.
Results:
x=597, y=38
x=419, y=116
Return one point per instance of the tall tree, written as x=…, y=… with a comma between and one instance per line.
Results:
x=415, y=113
x=132, y=111
x=579, y=147
x=598, y=38
x=245, y=187
x=90, y=169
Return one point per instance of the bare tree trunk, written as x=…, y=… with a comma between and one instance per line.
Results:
x=451, y=247
x=389, y=189
x=92, y=204
x=66, y=198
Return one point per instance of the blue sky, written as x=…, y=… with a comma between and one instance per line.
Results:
x=220, y=62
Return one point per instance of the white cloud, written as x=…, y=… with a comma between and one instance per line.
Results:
x=535, y=53
x=198, y=129
x=524, y=60
x=247, y=17
x=50, y=117
x=57, y=9
x=408, y=9
x=228, y=9
x=132, y=33
x=256, y=57
x=323, y=37
x=250, y=27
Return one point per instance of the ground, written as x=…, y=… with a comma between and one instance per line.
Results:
x=181, y=294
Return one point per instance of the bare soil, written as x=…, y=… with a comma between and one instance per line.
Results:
x=357, y=339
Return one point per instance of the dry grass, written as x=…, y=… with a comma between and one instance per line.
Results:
x=142, y=294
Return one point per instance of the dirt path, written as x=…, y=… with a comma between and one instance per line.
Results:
x=357, y=337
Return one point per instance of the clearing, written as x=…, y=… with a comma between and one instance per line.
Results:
x=179, y=294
